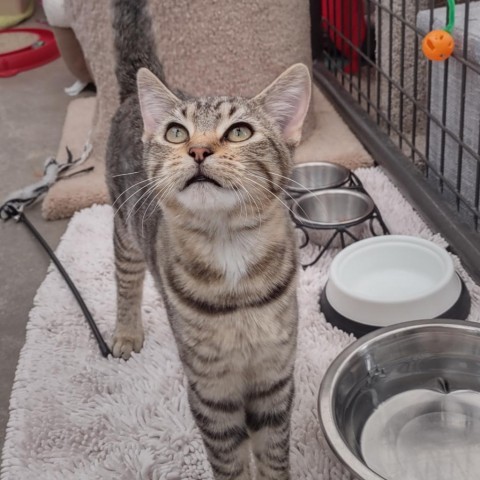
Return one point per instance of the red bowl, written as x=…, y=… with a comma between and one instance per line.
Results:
x=29, y=57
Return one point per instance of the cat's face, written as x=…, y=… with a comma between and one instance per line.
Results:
x=222, y=154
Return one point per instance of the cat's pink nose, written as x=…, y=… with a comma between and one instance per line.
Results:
x=199, y=154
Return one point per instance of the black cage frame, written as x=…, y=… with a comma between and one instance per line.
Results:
x=377, y=102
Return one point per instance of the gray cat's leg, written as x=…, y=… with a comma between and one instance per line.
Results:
x=268, y=416
x=129, y=273
x=221, y=420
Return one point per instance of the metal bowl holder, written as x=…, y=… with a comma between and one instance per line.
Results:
x=343, y=231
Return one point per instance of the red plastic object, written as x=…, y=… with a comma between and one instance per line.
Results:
x=30, y=57
x=347, y=17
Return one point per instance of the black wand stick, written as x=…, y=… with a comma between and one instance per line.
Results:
x=20, y=217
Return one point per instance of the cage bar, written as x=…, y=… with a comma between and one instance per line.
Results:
x=394, y=98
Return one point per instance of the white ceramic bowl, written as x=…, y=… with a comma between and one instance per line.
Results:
x=390, y=279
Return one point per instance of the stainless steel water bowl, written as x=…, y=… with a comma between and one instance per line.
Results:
x=313, y=176
x=404, y=403
x=332, y=208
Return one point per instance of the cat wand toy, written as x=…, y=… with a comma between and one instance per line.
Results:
x=18, y=200
x=19, y=216
x=438, y=45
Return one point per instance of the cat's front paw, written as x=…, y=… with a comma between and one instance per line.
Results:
x=126, y=341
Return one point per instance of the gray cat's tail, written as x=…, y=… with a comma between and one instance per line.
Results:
x=134, y=44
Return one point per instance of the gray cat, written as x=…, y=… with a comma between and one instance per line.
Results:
x=197, y=185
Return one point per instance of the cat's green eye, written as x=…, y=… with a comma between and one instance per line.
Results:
x=239, y=133
x=176, y=134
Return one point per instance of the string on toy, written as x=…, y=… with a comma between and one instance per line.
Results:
x=451, y=16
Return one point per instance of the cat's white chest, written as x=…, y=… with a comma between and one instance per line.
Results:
x=233, y=256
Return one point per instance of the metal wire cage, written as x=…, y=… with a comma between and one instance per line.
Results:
x=419, y=119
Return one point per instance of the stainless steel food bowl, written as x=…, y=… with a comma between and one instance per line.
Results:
x=404, y=403
x=313, y=176
x=332, y=208
x=326, y=210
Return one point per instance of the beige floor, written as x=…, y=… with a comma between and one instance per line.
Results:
x=32, y=111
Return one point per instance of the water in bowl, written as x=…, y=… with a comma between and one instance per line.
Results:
x=392, y=284
x=424, y=435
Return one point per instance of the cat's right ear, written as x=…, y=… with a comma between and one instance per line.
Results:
x=156, y=100
x=286, y=101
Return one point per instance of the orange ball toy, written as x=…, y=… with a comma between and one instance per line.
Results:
x=438, y=45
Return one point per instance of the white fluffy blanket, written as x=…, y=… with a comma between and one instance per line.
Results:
x=77, y=416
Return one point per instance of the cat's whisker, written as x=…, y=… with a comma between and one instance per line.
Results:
x=124, y=174
x=129, y=188
x=133, y=194
x=146, y=210
x=133, y=186
x=146, y=195
x=255, y=202
x=294, y=200
x=257, y=190
x=240, y=200
x=166, y=191
x=158, y=183
x=267, y=190
x=294, y=181
x=169, y=187
x=155, y=206
x=244, y=202
x=155, y=197
x=152, y=199
x=286, y=193
x=241, y=197
x=132, y=210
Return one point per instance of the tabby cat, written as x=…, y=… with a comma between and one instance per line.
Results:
x=197, y=187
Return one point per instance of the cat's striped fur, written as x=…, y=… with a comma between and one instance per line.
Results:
x=223, y=255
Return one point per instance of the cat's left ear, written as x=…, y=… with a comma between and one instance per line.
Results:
x=156, y=101
x=286, y=101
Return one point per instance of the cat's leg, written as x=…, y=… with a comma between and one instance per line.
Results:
x=219, y=413
x=129, y=273
x=268, y=415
